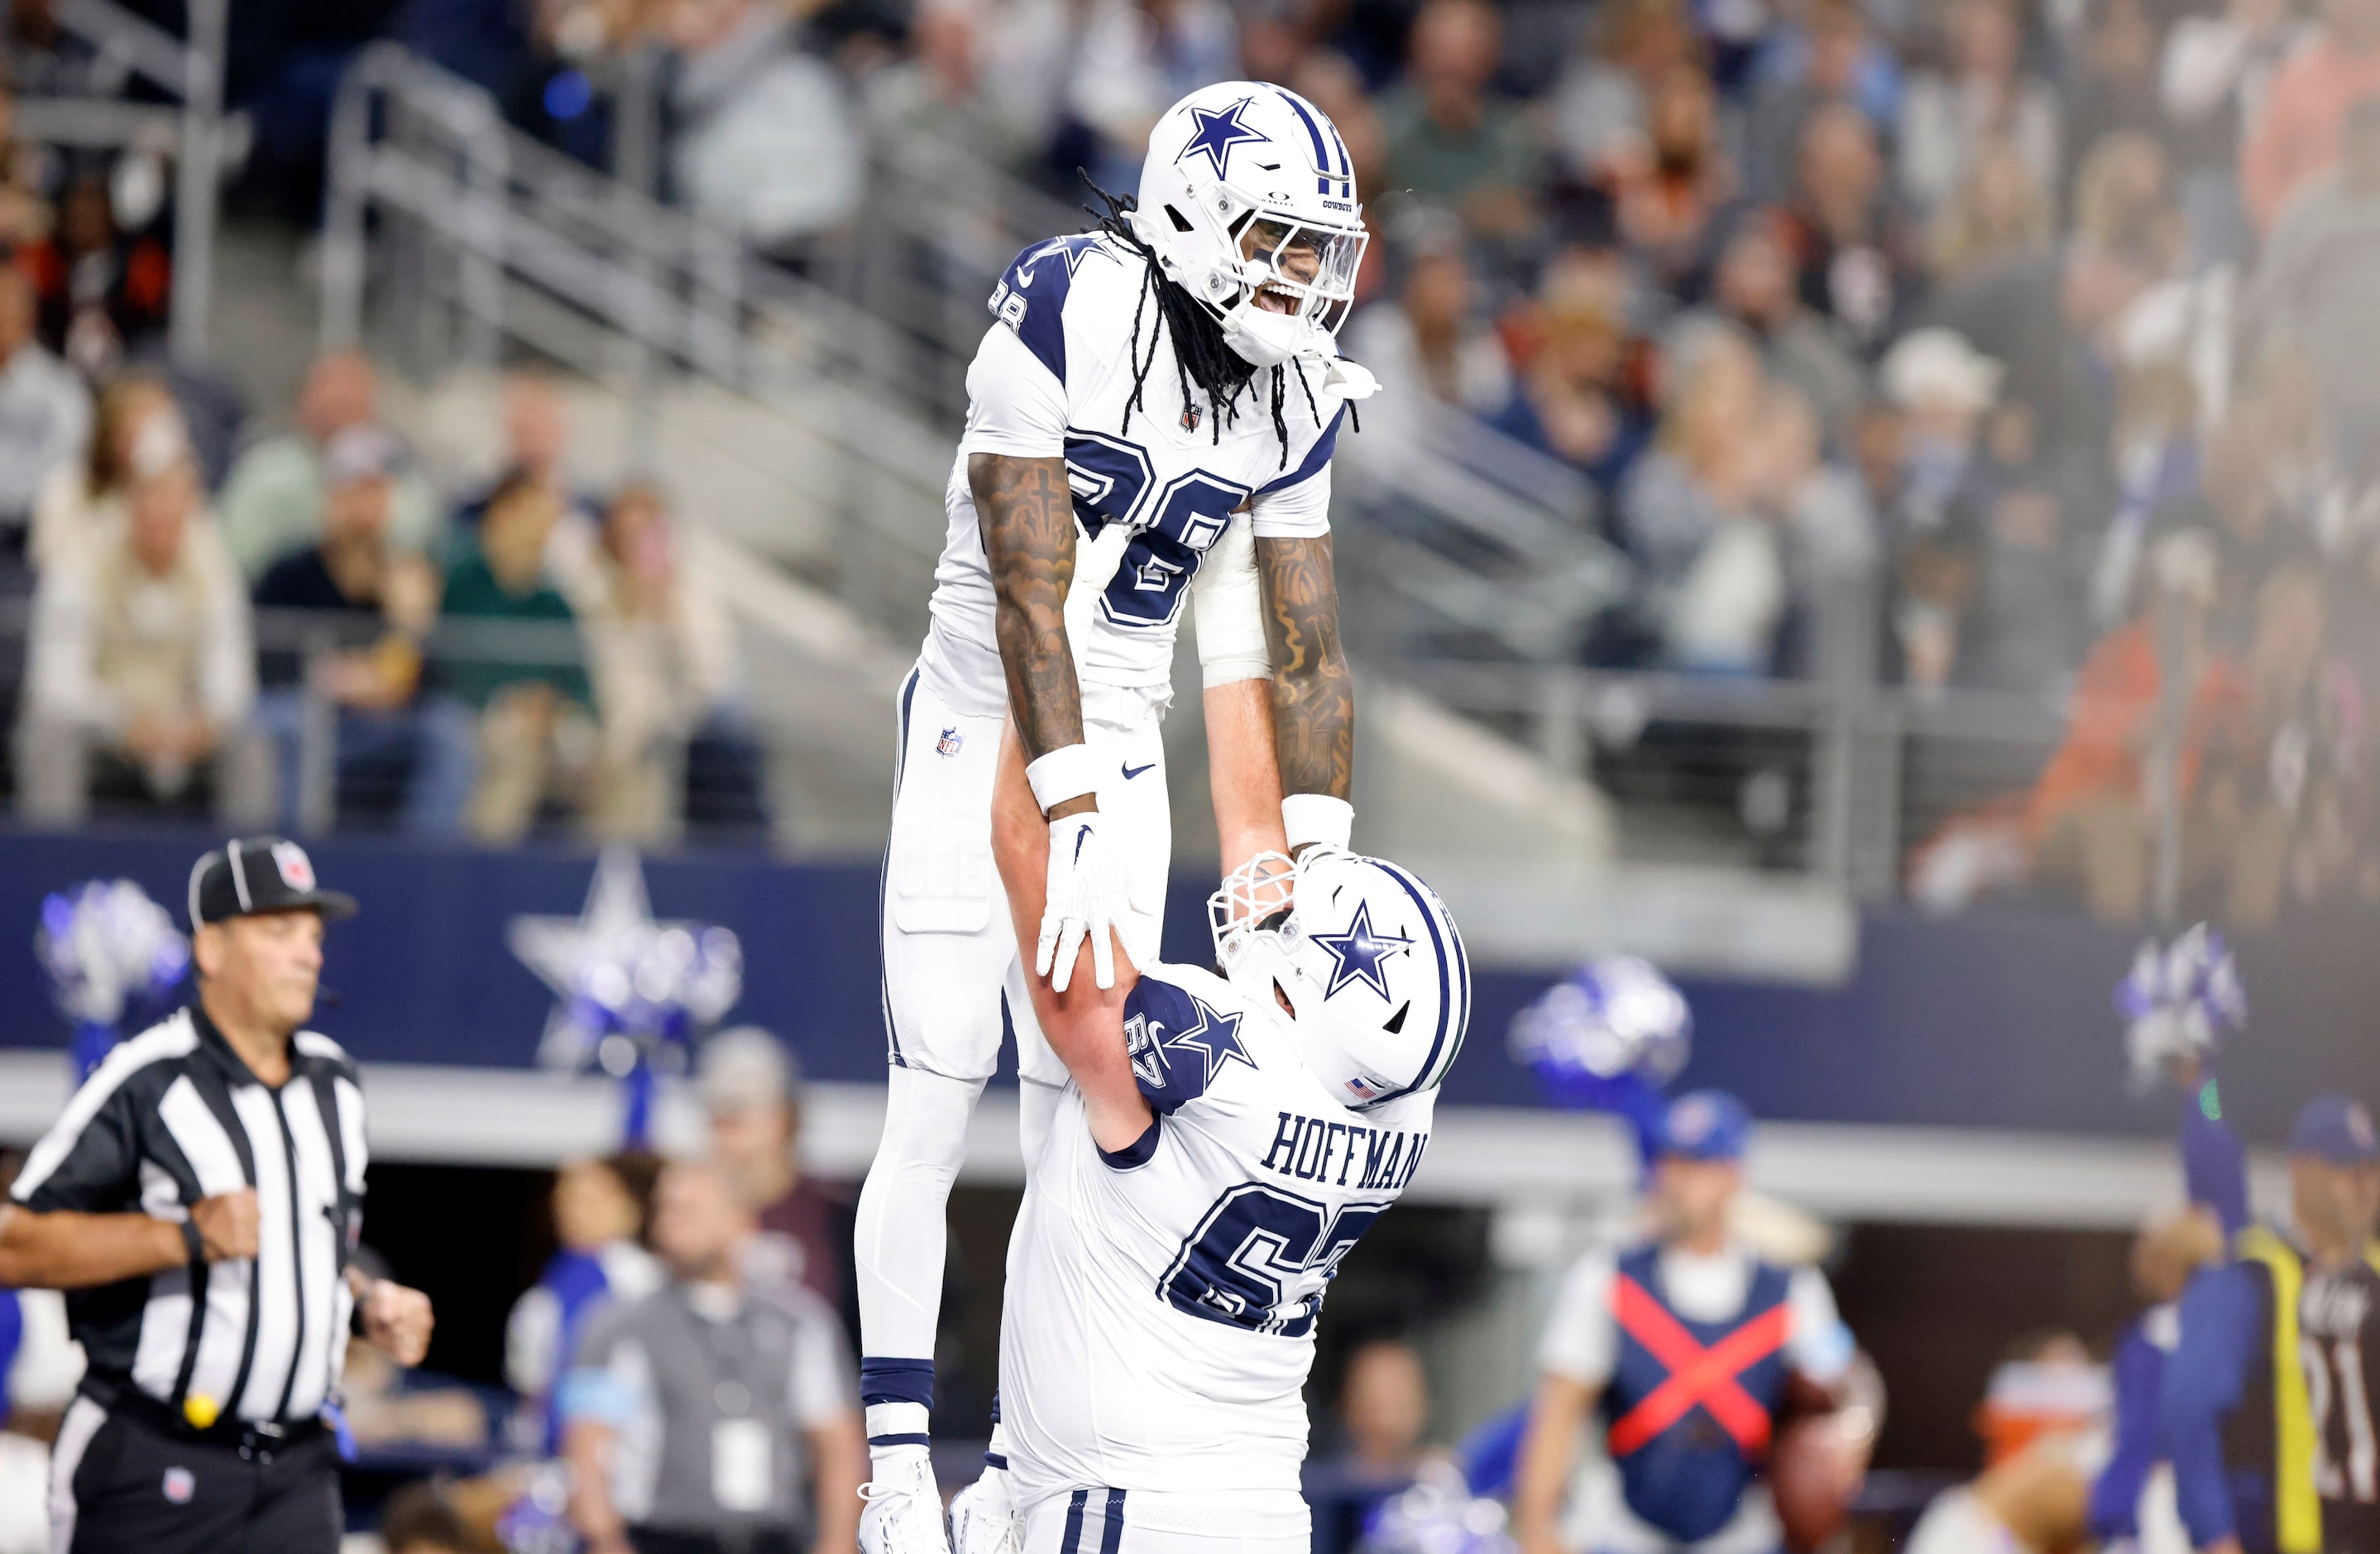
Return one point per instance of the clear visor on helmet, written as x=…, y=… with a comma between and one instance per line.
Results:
x=1300, y=268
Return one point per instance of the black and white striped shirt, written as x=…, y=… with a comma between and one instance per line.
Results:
x=174, y=1116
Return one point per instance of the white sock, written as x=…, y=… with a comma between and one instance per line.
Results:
x=901, y=1427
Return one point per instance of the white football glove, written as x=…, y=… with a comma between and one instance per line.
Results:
x=984, y=1517
x=1086, y=898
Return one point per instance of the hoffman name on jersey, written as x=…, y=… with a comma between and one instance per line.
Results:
x=1305, y=1147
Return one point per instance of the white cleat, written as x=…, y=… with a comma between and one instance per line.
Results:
x=984, y=1517
x=902, y=1510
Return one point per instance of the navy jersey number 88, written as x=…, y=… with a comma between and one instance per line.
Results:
x=1261, y=1259
x=1173, y=527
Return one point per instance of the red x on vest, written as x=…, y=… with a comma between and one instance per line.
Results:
x=1697, y=1375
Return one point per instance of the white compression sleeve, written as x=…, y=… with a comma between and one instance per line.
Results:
x=898, y=1239
x=1227, y=603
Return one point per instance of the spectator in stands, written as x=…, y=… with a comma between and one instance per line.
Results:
x=2114, y=89
x=2025, y=629
x=1452, y=141
x=272, y=502
x=1754, y=287
x=648, y=1383
x=1133, y=59
x=2213, y=83
x=1599, y=105
x=1691, y=514
x=2296, y=770
x=2320, y=278
x=2236, y=504
x=532, y=731
x=1383, y=1407
x=1431, y=344
x=662, y=652
x=141, y=670
x=373, y=605
x=25, y=212
x=2093, y=818
x=764, y=144
x=1941, y=388
x=1987, y=94
x=1573, y=403
x=2053, y=320
x=1998, y=216
x=104, y=294
x=752, y=1089
x=44, y=417
x=2296, y=133
x=82, y=496
x=536, y=418
x=1833, y=56
x=600, y=1207
x=1859, y=264
x=1670, y=198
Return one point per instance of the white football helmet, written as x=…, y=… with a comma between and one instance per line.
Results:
x=1365, y=958
x=1248, y=201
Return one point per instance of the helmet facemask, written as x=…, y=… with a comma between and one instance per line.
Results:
x=1280, y=285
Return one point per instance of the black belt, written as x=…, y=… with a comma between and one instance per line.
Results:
x=248, y=1436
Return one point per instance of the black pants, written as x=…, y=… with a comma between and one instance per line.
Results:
x=135, y=1489
x=760, y=1540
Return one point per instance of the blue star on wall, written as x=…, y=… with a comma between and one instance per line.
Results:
x=1218, y=133
x=1359, y=952
x=1213, y=1042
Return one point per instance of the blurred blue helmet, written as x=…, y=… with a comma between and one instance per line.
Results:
x=1706, y=1126
x=1609, y=1017
x=2336, y=1129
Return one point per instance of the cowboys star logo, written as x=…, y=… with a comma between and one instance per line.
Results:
x=1218, y=133
x=1359, y=954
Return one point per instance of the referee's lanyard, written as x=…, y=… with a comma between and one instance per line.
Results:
x=742, y=1475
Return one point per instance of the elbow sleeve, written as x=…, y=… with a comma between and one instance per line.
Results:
x=1228, y=605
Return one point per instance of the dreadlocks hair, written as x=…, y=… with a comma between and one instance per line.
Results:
x=1201, y=355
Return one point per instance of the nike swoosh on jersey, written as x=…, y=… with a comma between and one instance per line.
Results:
x=1025, y=277
x=1132, y=772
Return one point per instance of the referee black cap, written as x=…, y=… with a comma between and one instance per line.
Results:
x=255, y=874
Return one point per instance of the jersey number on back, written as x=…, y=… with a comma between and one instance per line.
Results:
x=2347, y=1469
x=1173, y=525
x=1261, y=1259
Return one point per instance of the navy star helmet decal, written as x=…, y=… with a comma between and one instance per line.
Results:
x=1179, y=1044
x=1359, y=952
x=1218, y=133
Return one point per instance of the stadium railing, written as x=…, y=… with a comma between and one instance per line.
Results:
x=203, y=138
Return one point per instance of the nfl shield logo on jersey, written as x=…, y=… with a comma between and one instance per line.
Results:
x=181, y=1486
x=948, y=745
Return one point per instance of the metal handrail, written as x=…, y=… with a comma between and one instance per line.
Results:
x=192, y=70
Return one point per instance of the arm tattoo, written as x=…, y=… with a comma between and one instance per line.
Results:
x=1313, y=695
x=1025, y=513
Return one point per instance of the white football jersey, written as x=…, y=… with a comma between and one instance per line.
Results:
x=1162, y=1300
x=1053, y=377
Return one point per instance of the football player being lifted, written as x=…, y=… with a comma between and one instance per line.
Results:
x=1151, y=421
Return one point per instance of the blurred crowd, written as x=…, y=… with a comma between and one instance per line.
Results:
x=475, y=662
x=1948, y=344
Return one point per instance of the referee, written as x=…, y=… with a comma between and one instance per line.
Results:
x=200, y=1199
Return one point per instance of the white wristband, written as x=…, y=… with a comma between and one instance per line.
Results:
x=1069, y=771
x=1317, y=818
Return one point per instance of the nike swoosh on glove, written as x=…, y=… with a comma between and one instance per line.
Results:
x=1085, y=900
